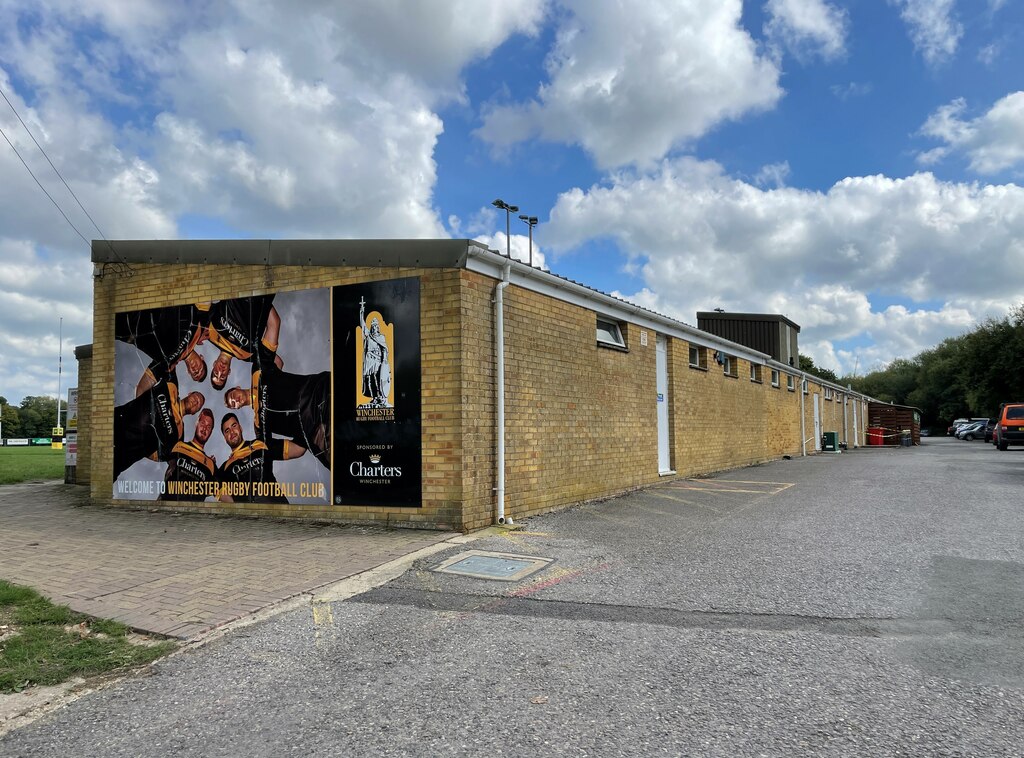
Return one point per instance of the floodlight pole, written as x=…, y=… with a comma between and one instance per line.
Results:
x=509, y=209
x=530, y=221
x=60, y=360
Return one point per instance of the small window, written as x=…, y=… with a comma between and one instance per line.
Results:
x=790, y=383
x=755, y=373
x=699, y=357
x=729, y=367
x=775, y=377
x=803, y=386
x=828, y=393
x=609, y=333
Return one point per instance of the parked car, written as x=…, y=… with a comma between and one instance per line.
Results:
x=1011, y=425
x=951, y=431
x=971, y=431
x=926, y=432
x=990, y=428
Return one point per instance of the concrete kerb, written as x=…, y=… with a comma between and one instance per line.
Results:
x=22, y=708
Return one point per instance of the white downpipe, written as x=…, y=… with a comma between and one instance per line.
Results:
x=803, y=420
x=499, y=349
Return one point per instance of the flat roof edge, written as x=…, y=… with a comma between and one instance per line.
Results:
x=727, y=316
x=410, y=253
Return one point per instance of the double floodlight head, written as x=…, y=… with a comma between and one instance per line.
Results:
x=531, y=220
x=499, y=203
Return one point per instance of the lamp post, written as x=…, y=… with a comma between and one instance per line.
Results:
x=499, y=203
x=531, y=221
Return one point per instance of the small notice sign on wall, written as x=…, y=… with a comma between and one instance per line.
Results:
x=643, y=338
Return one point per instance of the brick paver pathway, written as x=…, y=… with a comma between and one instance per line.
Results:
x=176, y=574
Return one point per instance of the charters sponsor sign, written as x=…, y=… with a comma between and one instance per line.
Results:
x=228, y=400
x=377, y=393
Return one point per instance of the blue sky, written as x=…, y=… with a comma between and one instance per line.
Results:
x=854, y=165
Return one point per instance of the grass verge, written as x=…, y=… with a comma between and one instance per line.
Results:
x=24, y=464
x=42, y=643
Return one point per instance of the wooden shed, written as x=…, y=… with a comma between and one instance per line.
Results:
x=892, y=420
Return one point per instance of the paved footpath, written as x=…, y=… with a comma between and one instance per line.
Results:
x=180, y=575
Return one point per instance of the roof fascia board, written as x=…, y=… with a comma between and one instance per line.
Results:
x=771, y=363
x=536, y=280
x=370, y=253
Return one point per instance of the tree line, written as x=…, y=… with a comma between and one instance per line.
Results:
x=34, y=417
x=962, y=377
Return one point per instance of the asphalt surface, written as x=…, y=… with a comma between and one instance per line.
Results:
x=869, y=603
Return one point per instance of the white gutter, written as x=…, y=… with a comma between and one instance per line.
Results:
x=492, y=264
x=499, y=350
x=484, y=261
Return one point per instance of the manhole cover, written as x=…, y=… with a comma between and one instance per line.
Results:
x=504, y=567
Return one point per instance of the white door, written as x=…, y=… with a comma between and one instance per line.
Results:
x=856, y=433
x=661, y=367
x=817, y=423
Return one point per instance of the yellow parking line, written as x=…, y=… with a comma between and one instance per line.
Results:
x=721, y=489
x=683, y=500
x=747, y=481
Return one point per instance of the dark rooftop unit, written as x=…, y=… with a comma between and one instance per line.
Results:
x=766, y=332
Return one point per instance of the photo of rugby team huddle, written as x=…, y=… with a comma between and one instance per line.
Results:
x=227, y=400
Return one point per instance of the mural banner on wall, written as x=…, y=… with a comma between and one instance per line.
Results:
x=229, y=400
x=377, y=459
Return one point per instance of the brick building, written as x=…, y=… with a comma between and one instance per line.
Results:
x=599, y=396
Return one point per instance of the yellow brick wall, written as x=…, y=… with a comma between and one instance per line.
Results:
x=721, y=422
x=159, y=285
x=581, y=420
x=783, y=429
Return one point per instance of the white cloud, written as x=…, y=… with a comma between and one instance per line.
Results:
x=989, y=53
x=933, y=30
x=309, y=119
x=518, y=245
x=703, y=239
x=630, y=81
x=772, y=175
x=851, y=89
x=807, y=27
x=993, y=142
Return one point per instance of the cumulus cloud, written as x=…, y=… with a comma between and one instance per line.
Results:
x=932, y=27
x=703, y=239
x=807, y=28
x=992, y=142
x=47, y=273
x=312, y=119
x=628, y=82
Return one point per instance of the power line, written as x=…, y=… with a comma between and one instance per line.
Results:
x=55, y=205
x=122, y=267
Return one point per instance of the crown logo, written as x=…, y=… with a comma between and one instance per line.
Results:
x=375, y=459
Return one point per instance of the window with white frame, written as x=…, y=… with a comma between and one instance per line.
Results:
x=699, y=357
x=755, y=373
x=729, y=367
x=609, y=333
x=790, y=384
x=775, y=377
x=828, y=393
x=803, y=386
